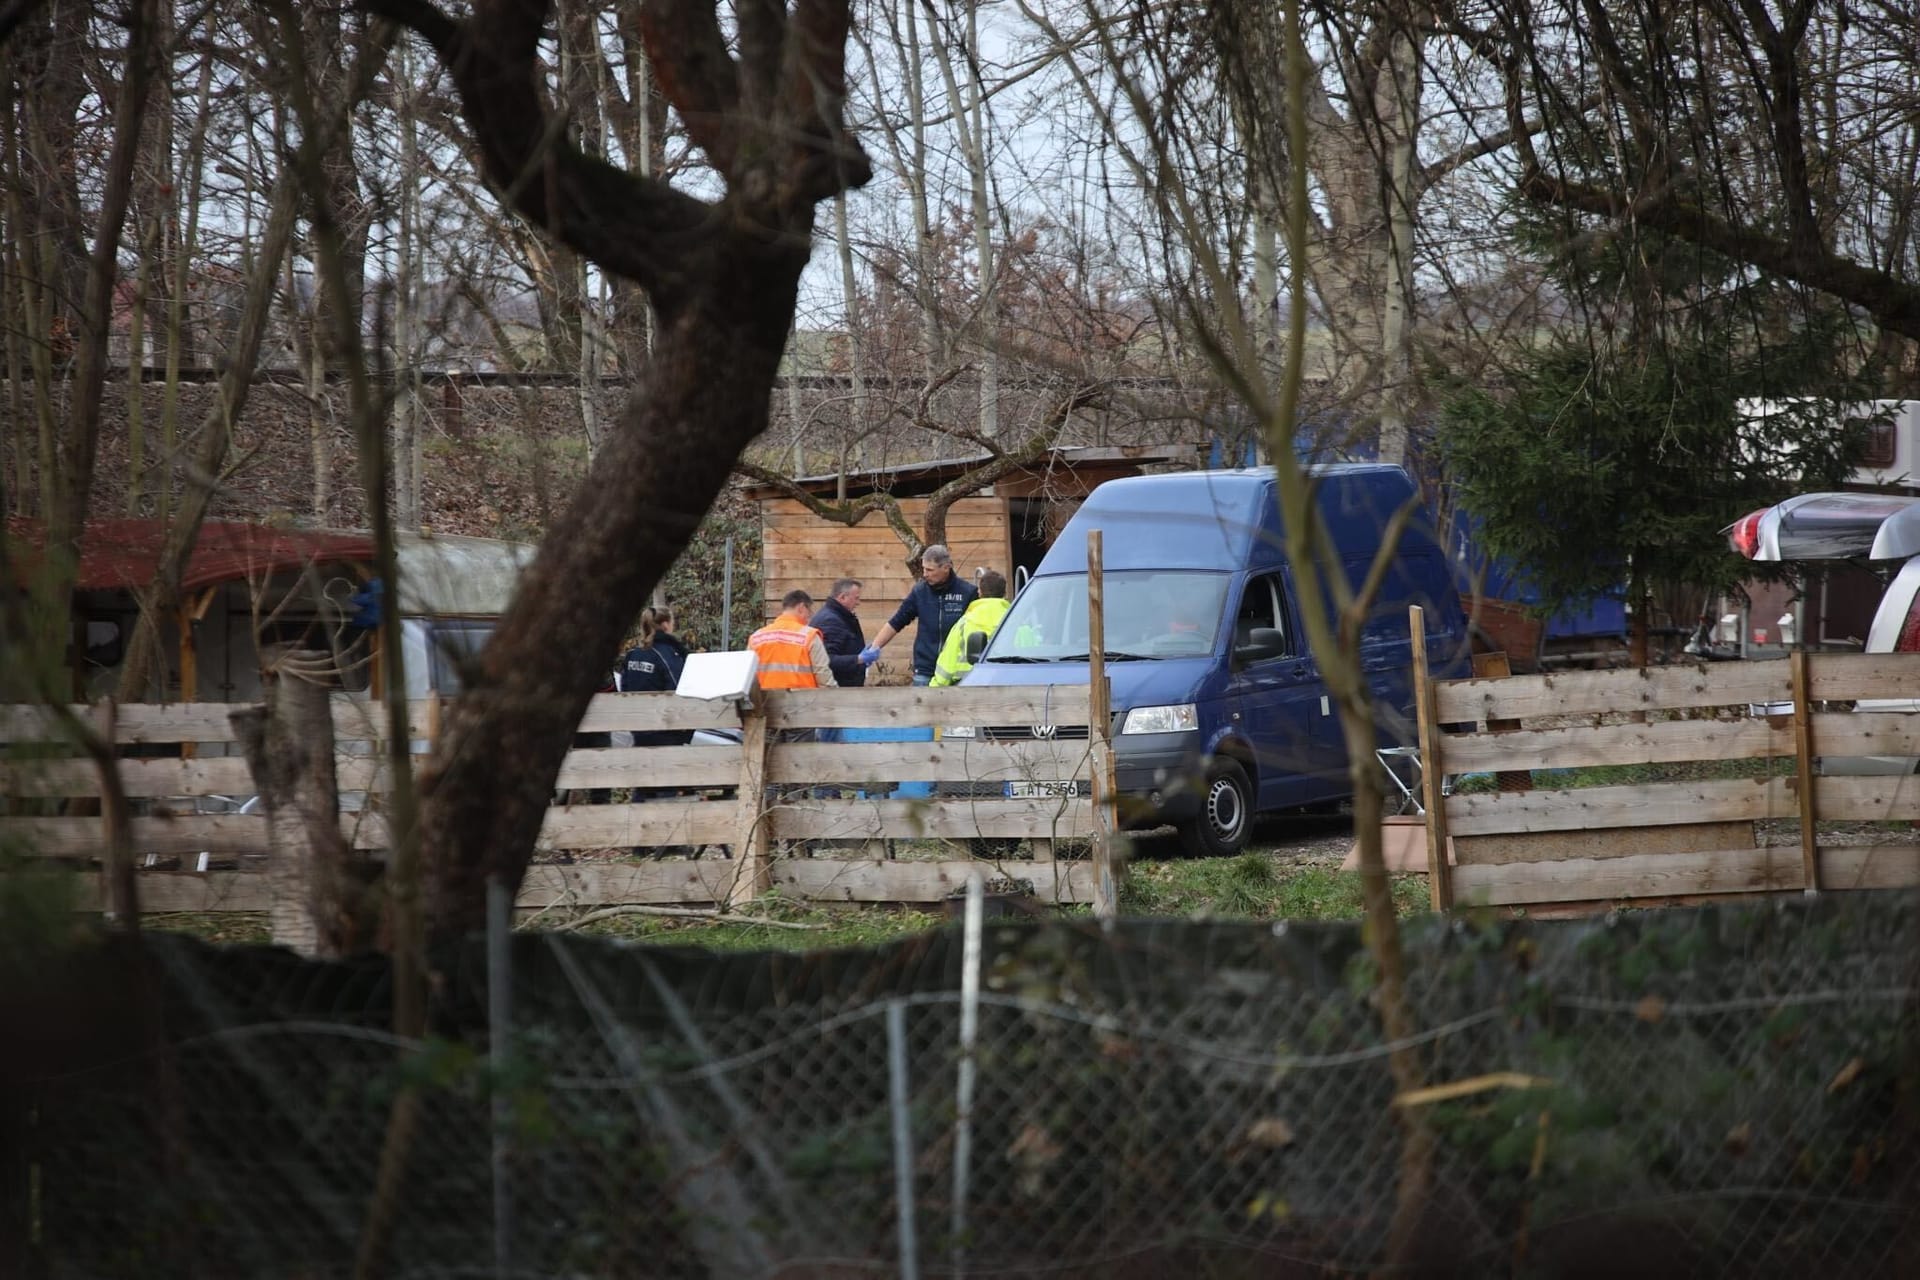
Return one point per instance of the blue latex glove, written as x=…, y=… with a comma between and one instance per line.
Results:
x=870, y=655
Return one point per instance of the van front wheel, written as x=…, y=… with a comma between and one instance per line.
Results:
x=1225, y=820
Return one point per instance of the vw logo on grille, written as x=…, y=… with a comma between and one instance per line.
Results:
x=1045, y=730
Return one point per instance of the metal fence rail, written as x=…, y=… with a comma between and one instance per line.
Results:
x=1710, y=1093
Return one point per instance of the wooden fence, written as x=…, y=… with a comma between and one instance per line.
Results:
x=815, y=819
x=1752, y=732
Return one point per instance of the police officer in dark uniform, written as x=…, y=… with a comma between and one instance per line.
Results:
x=654, y=666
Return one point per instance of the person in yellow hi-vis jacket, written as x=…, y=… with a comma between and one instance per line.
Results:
x=970, y=635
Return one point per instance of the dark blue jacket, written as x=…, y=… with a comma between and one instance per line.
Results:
x=656, y=669
x=935, y=610
x=673, y=650
x=844, y=637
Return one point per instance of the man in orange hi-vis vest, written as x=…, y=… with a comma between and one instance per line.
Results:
x=792, y=654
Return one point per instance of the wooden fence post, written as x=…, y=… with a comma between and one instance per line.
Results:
x=1432, y=767
x=189, y=667
x=317, y=903
x=123, y=897
x=1803, y=765
x=1106, y=883
x=752, y=874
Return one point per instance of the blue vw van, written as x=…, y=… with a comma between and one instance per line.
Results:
x=1219, y=710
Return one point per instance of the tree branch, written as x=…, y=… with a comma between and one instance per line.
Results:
x=849, y=512
x=1893, y=303
x=696, y=74
x=13, y=14
x=636, y=227
x=1036, y=447
x=1481, y=148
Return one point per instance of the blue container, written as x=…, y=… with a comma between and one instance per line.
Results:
x=905, y=790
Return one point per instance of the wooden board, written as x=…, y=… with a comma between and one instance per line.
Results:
x=1582, y=808
x=655, y=824
x=879, y=596
x=674, y=881
x=1628, y=689
x=1885, y=798
x=143, y=778
x=1063, y=704
x=226, y=833
x=1838, y=733
x=785, y=512
x=199, y=892
x=360, y=720
x=695, y=822
x=597, y=884
x=1660, y=875
x=950, y=760
x=650, y=767
x=654, y=711
x=354, y=719
x=1846, y=677
x=809, y=819
x=717, y=766
x=827, y=880
x=710, y=879
x=1615, y=842
x=134, y=722
x=800, y=527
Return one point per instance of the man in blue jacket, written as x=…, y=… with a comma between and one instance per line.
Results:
x=934, y=606
x=842, y=633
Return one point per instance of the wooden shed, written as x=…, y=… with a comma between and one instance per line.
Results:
x=1008, y=526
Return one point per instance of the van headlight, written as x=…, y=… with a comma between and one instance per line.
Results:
x=959, y=731
x=1174, y=719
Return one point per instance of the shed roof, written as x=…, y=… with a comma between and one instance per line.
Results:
x=123, y=554
x=440, y=574
x=916, y=479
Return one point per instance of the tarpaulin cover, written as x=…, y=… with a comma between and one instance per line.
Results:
x=123, y=554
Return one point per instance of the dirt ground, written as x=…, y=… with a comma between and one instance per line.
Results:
x=1294, y=840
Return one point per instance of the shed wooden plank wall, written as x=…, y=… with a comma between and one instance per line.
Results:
x=798, y=549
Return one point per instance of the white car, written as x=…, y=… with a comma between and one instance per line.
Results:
x=1883, y=529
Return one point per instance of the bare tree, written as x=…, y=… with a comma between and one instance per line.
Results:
x=1125, y=82
x=68, y=464
x=722, y=276
x=1780, y=136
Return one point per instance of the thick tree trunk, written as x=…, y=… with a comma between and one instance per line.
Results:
x=724, y=279
x=702, y=401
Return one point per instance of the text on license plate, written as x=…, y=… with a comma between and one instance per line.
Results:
x=1041, y=790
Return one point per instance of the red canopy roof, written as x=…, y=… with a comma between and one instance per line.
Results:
x=121, y=554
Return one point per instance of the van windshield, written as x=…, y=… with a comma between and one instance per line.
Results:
x=1150, y=614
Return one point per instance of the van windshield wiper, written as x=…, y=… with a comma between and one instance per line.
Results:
x=1112, y=655
x=1015, y=657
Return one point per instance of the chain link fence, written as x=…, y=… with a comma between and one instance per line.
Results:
x=1715, y=1092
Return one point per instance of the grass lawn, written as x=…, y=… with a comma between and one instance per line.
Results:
x=1256, y=885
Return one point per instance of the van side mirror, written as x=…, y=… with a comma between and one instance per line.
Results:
x=1262, y=643
x=975, y=646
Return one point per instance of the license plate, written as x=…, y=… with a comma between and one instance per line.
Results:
x=1042, y=790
